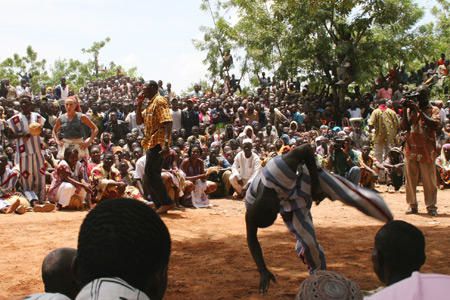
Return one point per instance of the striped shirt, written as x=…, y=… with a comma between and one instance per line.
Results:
x=294, y=190
x=19, y=124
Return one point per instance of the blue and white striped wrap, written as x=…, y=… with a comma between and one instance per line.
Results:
x=294, y=190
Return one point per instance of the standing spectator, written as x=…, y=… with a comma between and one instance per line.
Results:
x=189, y=117
x=421, y=121
x=29, y=155
x=68, y=130
x=170, y=94
x=22, y=89
x=62, y=91
x=385, y=92
x=176, y=114
x=386, y=124
x=157, y=122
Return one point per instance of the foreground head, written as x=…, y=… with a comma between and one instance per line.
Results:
x=398, y=252
x=57, y=272
x=124, y=238
x=328, y=285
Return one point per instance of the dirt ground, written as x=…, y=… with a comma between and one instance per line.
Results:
x=210, y=259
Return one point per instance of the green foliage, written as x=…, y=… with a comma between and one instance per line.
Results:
x=77, y=73
x=319, y=37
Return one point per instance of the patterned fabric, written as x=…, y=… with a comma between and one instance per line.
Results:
x=63, y=167
x=20, y=124
x=421, y=140
x=8, y=182
x=99, y=181
x=156, y=113
x=386, y=124
x=328, y=285
x=110, y=288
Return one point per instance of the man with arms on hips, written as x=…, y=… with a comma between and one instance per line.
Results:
x=157, y=121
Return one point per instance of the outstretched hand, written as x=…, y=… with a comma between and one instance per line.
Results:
x=265, y=278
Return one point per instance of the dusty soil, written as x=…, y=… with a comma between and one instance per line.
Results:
x=210, y=259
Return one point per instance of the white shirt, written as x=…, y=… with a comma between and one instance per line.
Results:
x=131, y=120
x=356, y=113
x=176, y=119
x=245, y=168
x=140, y=168
x=110, y=288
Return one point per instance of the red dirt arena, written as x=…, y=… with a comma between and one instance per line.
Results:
x=210, y=259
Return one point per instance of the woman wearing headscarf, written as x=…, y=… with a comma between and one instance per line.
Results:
x=68, y=129
x=246, y=134
x=443, y=165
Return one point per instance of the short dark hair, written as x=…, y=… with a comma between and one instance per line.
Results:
x=123, y=238
x=151, y=84
x=402, y=246
x=57, y=273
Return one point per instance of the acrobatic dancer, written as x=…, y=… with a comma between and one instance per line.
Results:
x=274, y=187
x=288, y=185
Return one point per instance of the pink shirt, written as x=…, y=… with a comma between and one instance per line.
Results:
x=384, y=94
x=417, y=287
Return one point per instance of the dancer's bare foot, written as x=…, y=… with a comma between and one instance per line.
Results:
x=165, y=208
x=12, y=208
x=46, y=207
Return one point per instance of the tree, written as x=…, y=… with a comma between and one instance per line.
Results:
x=78, y=73
x=335, y=41
x=94, y=50
x=29, y=65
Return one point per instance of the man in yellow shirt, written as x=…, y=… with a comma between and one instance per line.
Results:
x=157, y=121
x=386, y=124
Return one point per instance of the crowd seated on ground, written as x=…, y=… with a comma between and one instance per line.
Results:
x=220, y=137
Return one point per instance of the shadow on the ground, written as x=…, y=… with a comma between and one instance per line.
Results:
x=212, y=268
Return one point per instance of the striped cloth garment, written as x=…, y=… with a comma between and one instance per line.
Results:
x=294, y=190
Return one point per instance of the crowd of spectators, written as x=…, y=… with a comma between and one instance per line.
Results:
x=90, y=142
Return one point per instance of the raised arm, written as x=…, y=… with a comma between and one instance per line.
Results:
x=261, y=214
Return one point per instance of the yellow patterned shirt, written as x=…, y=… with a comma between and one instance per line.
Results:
x=386, y=124
x=155, y=115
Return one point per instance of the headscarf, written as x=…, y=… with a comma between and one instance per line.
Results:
x=328, y=285
x=444, y=162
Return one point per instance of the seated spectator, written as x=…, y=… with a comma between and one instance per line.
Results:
x=328, y=285
x=57, y=274
x=367, y=164
x=106, y=181
x=443, y=166
x=398, y=255
x=173, y=177
x=246, y=134
x=94, y=158
x=11, y=200
x=69, y=186
x=394, y=169
x=105, y=142
x=246, y=165
x=219, y=170
x=194, y=168
x=123, y=252
x=343, y=160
